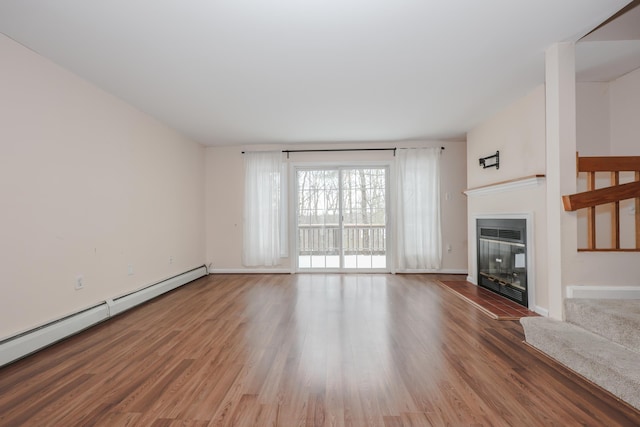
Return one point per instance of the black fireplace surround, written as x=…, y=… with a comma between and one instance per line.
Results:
x=502, y=257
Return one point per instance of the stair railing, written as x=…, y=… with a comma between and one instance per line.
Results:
x=614, y=194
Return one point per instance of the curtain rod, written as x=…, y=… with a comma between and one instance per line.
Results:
x=345, y=149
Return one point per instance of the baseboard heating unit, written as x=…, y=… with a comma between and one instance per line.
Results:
x=19, y=346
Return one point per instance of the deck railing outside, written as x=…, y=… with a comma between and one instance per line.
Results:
x=356, y=239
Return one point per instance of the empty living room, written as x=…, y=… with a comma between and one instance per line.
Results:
x=320, y=213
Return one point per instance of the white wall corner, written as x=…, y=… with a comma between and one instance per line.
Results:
x=560, y=102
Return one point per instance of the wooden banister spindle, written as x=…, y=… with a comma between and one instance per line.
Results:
x=591, y=213
x=615, y=214
x=612, y=196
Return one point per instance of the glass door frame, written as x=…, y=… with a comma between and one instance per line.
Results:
x=294, y=241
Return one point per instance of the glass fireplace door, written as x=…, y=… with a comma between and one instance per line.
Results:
x=503, y=262
x=502, y=257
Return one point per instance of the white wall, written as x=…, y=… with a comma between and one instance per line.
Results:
x=88, y=185
x=593, y=123
x=625, y=114
x=593, y=138
x=605, y=123
x=225, y=183
x=224, y=193
x=519, y=133
x=614, y=106
x=625, y=139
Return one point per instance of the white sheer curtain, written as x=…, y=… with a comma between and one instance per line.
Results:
x=419, y=241
x=263, y=211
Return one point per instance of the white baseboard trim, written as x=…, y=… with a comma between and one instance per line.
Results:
x=29, y=342
x=124, y=303
x=250, y=271
x=541, y=311
x=430, y=271
x=26, y=343
x=289, y=271
x=604, y=292
x=471, y=280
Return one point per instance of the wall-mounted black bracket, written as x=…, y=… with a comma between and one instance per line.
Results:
x=496, y=163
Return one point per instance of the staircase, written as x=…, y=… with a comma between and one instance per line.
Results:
x=599, y=340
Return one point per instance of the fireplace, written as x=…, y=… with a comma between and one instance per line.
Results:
x=502, y=257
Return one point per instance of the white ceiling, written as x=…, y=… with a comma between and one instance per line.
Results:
x=257, y=71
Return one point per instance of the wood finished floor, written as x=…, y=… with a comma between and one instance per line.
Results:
x=288, y=350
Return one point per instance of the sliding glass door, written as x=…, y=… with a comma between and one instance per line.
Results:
x=341, y=218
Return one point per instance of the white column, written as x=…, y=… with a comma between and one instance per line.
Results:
x=561, y=171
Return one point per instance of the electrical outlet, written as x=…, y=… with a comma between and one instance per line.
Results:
x=79, y=283
x=449, y=248
x=130, y=269
x=170, y=260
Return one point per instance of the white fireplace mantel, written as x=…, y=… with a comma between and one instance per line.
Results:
x=512, y=184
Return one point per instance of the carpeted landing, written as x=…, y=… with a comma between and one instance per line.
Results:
x=490, y=303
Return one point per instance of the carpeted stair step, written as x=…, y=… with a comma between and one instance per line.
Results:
x=615, y=319
x=610, y=365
